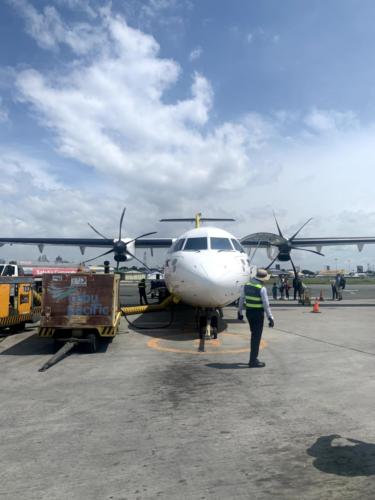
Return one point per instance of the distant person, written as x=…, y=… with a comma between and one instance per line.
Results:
x=334, y=289
x=339, y=287
x=296, y=287
x=282, y=288
x=142, y=291
x=255, y=298
x=302, y=291
x=106, y=267
x=286, y=288
x=274, y=290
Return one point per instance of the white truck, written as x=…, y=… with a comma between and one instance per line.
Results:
x=11, y=269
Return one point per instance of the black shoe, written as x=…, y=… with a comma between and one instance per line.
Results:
x=256, y=364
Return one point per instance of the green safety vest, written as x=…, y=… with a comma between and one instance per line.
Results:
x=253, y=298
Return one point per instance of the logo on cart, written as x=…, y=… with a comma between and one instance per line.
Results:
x=59, y=293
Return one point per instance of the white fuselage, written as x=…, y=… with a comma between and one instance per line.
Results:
x=206, y=267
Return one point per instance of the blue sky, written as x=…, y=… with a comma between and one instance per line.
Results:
x=176, y=106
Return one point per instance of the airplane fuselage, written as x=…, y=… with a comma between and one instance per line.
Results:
x=206, y=267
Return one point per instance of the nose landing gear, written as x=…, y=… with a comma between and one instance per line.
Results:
x=207, y=326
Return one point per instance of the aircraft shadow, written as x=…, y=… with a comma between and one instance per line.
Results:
x=179, y=324
x=356, y=459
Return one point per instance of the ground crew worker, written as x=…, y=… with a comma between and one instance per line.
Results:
x=142, y=291
x=255, y=298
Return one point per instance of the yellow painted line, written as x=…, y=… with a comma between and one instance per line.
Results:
x=155, y=343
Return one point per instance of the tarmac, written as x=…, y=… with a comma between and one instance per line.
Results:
x=151, y=417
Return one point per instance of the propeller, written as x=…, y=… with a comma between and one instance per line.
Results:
x=285, y=245
x=120, y=249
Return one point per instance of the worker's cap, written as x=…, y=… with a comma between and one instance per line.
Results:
x=262, y=275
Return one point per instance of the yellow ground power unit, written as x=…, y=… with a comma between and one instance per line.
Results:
x=17, y=303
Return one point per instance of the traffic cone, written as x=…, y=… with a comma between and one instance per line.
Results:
x=321, y=298
x=315, y=308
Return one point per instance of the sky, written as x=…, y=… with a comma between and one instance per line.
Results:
x=173, y=107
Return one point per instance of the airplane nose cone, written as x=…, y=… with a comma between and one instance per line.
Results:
x=207, y=282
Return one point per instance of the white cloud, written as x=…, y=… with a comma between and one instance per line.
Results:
x=328, y=121
x=83, y=5
x=18, y=169
x=49, y=30
x=195, y=54
x=109, y=113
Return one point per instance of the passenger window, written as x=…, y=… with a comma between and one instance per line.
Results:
x=221, y=244
x=237, y=245
x=196, y=244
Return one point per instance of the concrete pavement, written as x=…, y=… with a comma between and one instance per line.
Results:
x=151, y=417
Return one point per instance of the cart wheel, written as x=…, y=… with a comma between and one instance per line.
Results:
x=92, y=343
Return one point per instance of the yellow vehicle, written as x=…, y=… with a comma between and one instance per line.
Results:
x=17, y=302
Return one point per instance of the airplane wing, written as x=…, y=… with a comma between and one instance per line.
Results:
x=154, y=242
x=321, y=242
x=265, y=240
x=86, y=242
x=40, y=242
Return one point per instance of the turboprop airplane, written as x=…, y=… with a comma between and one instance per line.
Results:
x=205, y=267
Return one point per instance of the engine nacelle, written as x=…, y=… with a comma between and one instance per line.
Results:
x=120, y=249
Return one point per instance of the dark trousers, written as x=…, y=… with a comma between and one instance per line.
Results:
x=142, y=296
x=255, y=317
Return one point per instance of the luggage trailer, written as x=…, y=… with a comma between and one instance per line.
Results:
x=79, y=308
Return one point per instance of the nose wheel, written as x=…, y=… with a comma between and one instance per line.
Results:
x=207, y=326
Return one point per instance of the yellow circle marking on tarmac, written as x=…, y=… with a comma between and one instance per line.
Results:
x=157, y=344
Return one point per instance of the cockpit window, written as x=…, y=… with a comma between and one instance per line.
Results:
x=178, y=245
x=1, y=270
x=196, y=244
x=237, y=245
x=221, y=244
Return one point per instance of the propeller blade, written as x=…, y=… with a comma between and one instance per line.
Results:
x=142, y=236
x=272, y=261
x=278, y=227
x=97, y=257
x=295, y=234
x=294, y=268
x=97, y=232
x=136, y=258
x=121, y=220
x=307, y=250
